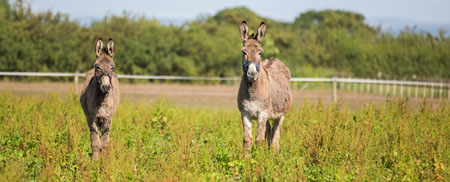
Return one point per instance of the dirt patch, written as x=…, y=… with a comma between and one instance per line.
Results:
x=201, y=96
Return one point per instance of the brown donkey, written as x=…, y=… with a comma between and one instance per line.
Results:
x=100, y=96
x=264, y=93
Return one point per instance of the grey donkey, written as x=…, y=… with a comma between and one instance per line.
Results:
x=100, y=96
x=264, y=93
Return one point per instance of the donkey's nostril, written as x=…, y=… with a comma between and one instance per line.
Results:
x=252, y=75
x=105, y=88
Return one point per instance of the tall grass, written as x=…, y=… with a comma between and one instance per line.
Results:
x=47, y=139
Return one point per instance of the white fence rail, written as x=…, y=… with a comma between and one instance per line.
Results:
x=382, y=87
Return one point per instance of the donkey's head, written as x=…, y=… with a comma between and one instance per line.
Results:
x=104, y=65
x=251, y=50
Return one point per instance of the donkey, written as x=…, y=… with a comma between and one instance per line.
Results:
x=264, y=92
x=100, y=96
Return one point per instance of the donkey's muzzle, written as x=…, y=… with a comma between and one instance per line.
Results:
x=252, y=73
x=105, y=84
x=105, y=88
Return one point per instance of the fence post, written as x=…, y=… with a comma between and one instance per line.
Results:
x=334, y=90
x=440, y=90
x=448, y=92
x=394, y=88
x=76, y=82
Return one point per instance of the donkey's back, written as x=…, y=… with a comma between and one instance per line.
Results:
x=87, y=79
x=279, y=78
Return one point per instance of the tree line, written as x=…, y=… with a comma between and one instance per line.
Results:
x=317, y=43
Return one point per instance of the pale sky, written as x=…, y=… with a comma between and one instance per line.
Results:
x=425, y=11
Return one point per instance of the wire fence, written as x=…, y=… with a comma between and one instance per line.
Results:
x=402, y=88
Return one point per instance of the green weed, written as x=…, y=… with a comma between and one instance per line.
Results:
x=46, y=139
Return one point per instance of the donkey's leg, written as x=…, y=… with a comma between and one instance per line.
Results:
x=95, y=140
x=247, y=125
x=277, y=124
x=260, y=133
x=268, y=133
x=105, y=134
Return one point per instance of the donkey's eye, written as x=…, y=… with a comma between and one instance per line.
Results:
x=112, y=68
x=97, y=67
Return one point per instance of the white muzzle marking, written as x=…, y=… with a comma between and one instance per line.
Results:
x=252, y=73
x=105, y=84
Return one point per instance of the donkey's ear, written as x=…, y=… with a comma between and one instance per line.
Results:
x=244, y=30
x=111, y=48
x=261, y=32
x=99, y=46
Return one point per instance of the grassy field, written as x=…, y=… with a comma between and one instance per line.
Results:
x=46, y=138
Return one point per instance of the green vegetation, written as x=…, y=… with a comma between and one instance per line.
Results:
x=47, y=139
x=339, y=42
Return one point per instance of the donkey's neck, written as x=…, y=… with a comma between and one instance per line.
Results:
x=252, y=88
x=100, y=97
x=256, y=89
